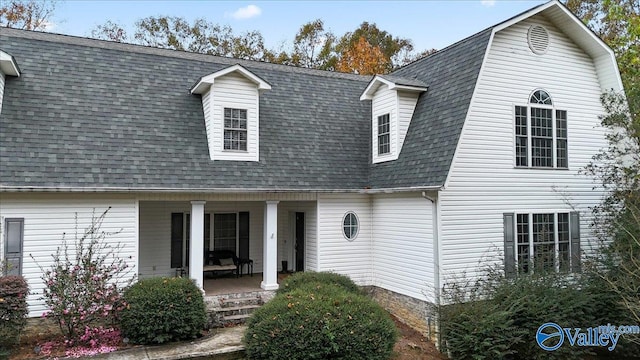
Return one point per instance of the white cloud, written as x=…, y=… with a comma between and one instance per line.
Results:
x=48, y=25
x=246, y=12
x=488, y=3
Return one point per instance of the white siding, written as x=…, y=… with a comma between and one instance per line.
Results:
x=384, y=102
x=46, y=219
x=406, y=105
x=232, y=91
x=335, y=253
x=2, y=79
x=483, y=183
x=155, y=232
x=403, y=245
x=286, y=235
x=208, y=122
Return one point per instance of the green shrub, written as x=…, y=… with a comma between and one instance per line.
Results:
x=497, y=318
x=302, y=278
x=320, y=321
x=13, y=310
x=161, y=310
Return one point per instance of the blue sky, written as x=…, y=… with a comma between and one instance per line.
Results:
x=429, y=24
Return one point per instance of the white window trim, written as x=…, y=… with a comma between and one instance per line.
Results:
x=354, y=236
x=224, y=129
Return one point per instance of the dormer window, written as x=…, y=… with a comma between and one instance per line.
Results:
x=235, y=129
x=393, y=100
x=231, y=107
x=384, y=130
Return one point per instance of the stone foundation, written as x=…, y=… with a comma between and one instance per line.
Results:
x=420, y=315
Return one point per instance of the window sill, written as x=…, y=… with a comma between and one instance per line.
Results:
x=540, y=168
x=235, y=151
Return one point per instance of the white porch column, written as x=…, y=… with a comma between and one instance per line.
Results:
x=196, y=246
x=270, y=247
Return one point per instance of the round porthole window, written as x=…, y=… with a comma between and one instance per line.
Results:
x=538, y=38
x=350, y=225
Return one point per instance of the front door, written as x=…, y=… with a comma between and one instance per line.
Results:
x=299, y=245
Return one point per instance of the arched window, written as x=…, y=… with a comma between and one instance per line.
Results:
x=541, y=134
x=540, y=97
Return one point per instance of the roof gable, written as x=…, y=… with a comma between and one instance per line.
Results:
x=205, y=82
x=578, y=32
x=392, y=83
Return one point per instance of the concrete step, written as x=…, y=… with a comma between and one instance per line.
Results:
x=236, y=317
x=240, y=300
x=239, y=308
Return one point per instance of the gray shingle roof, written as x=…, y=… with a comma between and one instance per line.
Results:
x=99, y=114
x=435, y=128
x=95, y=114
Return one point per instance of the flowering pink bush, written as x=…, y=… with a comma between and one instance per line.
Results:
x=83, y=286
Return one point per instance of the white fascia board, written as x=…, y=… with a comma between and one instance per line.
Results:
x=8, y=64
x=371, y=89
x=205, y=82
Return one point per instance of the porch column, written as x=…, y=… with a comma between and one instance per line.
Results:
x=270, y=247
x=196, y=257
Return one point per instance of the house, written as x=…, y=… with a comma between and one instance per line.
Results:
x=468, y=157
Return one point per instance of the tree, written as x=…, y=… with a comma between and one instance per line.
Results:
x=617, y=218
x=177, y=33
x=26, y=14
x=314, y=46
x=391, y=47
x=363, y=58
x=109, y=31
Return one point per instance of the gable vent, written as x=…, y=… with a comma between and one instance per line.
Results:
x=538, y=38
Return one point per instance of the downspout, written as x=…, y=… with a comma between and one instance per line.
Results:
x=436, y=266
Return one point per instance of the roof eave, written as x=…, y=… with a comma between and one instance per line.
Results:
x=8, y=64
x=371, y=88
x=77, y=189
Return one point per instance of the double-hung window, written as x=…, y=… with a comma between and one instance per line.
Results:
x=542, y=242
x=384, y=135
x=14, y=238
x=541, y=133
x=235, y=129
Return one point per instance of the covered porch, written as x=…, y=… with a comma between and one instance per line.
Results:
x=231, y=285
x=178, y=237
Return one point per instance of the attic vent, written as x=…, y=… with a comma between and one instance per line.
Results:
x=538, y=38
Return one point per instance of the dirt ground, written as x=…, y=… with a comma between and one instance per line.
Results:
x=412, y=345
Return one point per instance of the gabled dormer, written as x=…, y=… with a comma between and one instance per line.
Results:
x=8, y=67
x=393, y=100
x=230, y=102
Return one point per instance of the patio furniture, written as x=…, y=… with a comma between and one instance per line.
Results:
x=249, y=263
x=221, y=260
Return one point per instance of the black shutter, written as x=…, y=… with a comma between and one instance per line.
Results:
x=509, y=245
x=243, y=235
x=176, y=239
x=574, y=225
x=188, y=237
x=207, y=236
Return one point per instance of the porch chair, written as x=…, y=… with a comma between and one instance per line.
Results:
x=221, y=260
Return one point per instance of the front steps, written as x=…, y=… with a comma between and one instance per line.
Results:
x=233, y=309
